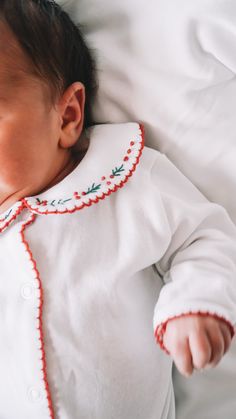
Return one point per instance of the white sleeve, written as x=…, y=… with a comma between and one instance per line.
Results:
x=199, y=264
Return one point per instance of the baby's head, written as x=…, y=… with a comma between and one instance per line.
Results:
x=45, y=69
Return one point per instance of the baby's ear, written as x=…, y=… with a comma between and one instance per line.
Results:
x=71, y=108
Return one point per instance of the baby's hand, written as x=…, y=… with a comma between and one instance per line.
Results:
x=196, y=341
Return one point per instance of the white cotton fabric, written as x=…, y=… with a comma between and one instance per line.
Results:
x=102, y=262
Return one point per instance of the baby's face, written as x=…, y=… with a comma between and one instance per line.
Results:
x=29, y=125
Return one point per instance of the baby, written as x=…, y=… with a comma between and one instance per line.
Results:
x=89, y=234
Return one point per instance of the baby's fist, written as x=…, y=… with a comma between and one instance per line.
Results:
x=196, y=341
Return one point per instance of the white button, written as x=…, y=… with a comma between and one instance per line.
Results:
x=34, y=395
x=27, y=291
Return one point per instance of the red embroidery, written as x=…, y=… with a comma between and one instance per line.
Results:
x=126, y=158
x=103, y=195
x=76, y=195
x=39, y=318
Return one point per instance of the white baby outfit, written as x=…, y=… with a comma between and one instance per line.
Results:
x=82, y=267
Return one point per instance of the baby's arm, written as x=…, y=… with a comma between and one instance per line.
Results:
x=196, y=310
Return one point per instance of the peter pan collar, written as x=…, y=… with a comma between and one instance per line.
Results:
x=111, y=159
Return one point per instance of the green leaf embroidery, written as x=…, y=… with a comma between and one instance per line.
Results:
x=8, y=215
x=117, y=171
x=67, y=200
x=94, y=188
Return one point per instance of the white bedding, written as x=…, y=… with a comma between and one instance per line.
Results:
x=172, y=64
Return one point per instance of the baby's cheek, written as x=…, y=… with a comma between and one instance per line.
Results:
x=13, y=155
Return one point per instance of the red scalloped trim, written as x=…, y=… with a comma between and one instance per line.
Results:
x=98, y=198
x=12, y=218
x=161, y=329
x=39, y=318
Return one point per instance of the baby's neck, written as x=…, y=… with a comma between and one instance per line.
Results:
x=8, y=199
x=70, y=166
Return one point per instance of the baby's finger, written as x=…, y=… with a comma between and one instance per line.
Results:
x=217, y=345
x=200, y=348
x=226, y=335
x=182, y=357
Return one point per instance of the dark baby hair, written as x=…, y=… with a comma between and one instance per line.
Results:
x=53, y=43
